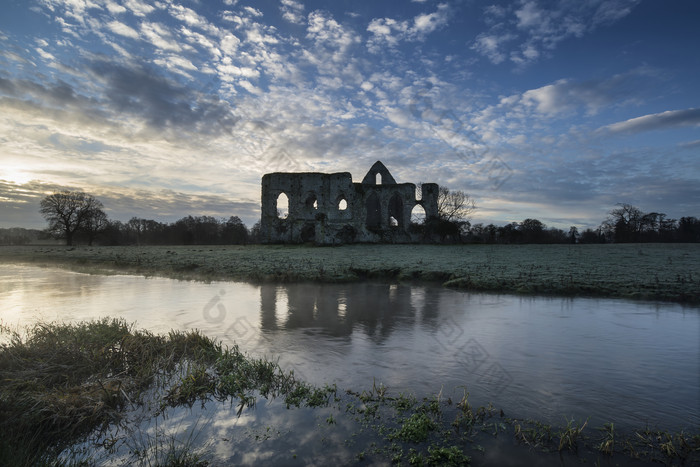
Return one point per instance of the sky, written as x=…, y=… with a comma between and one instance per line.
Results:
x=555, y=110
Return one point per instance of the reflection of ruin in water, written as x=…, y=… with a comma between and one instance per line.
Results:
x=376, y=308
x=354, y=333
x=330, y=209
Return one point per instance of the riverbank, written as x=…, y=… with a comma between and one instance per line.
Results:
x=69, y=394
x=667, y=272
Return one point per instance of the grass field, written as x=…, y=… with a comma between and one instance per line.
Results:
x=669, y=272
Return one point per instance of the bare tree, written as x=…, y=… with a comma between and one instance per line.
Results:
x=574, y=234
x=624, y=223
x=95, y=223
x=454, y=206
x=67, y=212
x=454, y=209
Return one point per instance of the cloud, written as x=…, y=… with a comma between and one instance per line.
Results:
x=176, y=64
x=230, y=72
x=114, y=7
x=389, y=32
x=208, y=43
x=526, y=30
x=491, y=46
x=424, y=24
x=45, y=55
x=292, y=11
x=325, y=30
x=610, y=11
x=252, y=11
x=690, y=144
x=159, y=36
x=127, y=96
x=136, y=90
x=137, y=7
x=190, y=17
x=659, y=121
x=20, y=203
x=553, y=98
x=59, y=94
x=122, y=29
x=567, y=96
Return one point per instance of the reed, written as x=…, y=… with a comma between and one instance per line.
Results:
x=570, y=435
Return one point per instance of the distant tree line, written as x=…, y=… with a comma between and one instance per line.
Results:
x=21, y=236
x=77, y=216
x=199, y=230
x=624, y=224
x=627, y=224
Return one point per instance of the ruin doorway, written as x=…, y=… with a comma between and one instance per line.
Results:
x=308, y=233
x=396, y=211
x=374, y=215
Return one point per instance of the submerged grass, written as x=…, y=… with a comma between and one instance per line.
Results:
x=569, y=436
x=668, y=272
x=607, y=444
x=60, y=383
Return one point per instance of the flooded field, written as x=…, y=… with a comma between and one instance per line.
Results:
x=631, y=363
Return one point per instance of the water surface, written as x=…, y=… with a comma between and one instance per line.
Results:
x=632, y=363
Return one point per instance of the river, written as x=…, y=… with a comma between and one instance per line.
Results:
x=631, y=363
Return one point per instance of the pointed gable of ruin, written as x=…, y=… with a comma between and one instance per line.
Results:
x=378, y=168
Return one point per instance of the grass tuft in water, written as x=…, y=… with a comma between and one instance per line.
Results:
x=569, y=436
x=607, y=444
x=60, y=382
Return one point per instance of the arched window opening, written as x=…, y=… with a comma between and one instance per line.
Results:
x=374, y=215
x=378, y=179
x=282, y=206
x=396, y=210
x=308, y=233
x=418, y=214
x=311, y=201
x=342, y=204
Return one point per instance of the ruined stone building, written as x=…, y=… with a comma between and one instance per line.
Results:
x=330, y=209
